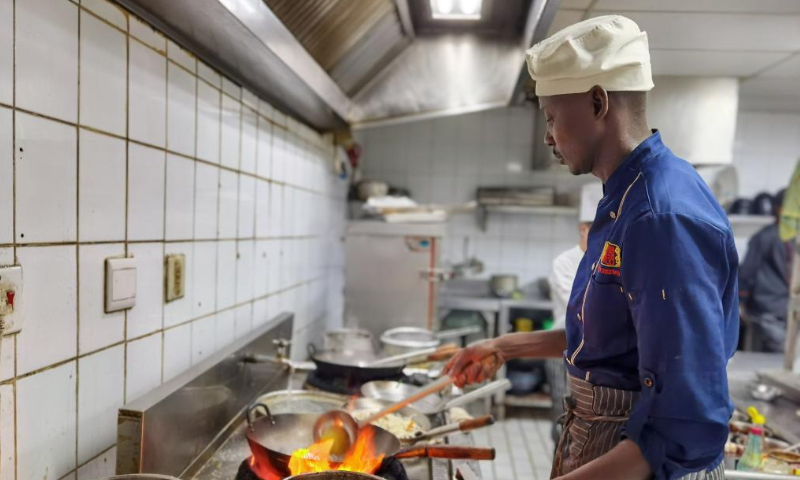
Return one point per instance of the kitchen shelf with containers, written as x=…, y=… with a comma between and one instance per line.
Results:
x=529, y=382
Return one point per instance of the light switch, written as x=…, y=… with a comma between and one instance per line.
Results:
x=11, y=298
x=120, y=284
x=175, y=277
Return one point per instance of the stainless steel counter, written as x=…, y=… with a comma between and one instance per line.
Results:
x=781, y=414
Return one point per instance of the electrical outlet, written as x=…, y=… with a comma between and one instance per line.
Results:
x=175, y=277
x=11, y=299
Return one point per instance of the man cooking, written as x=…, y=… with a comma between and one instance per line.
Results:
x=652, y=319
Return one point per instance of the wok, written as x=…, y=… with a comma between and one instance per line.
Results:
x=273, y=438
x=363, y=366
x=334, y=475
x=373, y=405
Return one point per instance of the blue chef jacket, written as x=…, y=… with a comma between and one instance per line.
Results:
x=654, y=308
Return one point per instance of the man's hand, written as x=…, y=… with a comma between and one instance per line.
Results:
x=475, y=364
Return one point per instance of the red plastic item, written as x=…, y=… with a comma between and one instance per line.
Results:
x=10, y=298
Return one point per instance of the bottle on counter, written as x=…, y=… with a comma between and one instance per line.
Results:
x=751, y=459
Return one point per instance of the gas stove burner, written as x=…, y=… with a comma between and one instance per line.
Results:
x=392, y=469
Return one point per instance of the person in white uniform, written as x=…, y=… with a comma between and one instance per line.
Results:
x=561, y=278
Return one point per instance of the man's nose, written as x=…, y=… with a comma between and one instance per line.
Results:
x=548, y=139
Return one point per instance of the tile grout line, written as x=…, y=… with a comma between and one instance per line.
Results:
x=14, y=227
x=77, y=238
x=127, y=191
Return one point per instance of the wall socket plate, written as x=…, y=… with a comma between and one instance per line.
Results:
x=11, y=281
x=174, y=277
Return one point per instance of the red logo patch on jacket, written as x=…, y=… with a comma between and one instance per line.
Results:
x=612, y=256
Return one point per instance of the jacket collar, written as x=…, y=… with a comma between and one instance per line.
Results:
x=630, y=167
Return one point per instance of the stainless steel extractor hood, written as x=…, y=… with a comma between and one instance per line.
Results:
x=339, y=63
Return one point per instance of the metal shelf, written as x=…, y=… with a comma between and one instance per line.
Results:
x=483, y=211
x=751, y=219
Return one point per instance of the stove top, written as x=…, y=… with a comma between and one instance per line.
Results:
x=392, y=469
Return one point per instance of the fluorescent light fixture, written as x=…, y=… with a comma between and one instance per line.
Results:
x=456, y=9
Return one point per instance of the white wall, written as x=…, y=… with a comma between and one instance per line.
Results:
x=114, y=141
x=766, y=151
x=446, y=159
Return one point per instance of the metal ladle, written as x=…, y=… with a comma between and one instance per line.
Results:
x=342, y=428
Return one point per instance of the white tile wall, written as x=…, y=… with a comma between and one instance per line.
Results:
x=6, y=51
x=177, y=350
x=142, y=366
x=179, y=221
x=46, y=424
x=146, y=174
x=146, y=316
x=46, y=161
x=6, y=177
x=147, y=95
x=206, y=199
x=50, y=307
x=139, y=177
x=100, y=393
x=47, y=58
x=101, y=184
x=181, y=108
x=104, y=67
x=231, y=131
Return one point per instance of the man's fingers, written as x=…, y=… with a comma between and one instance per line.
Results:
x=458, y=362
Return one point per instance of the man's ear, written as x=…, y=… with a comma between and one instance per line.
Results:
x=599, y=102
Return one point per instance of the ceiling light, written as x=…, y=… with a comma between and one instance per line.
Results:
x=456, y=9
x=470, y=7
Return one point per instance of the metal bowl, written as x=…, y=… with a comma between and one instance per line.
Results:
x=765, y=393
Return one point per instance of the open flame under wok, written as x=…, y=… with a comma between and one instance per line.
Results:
x=362, y=456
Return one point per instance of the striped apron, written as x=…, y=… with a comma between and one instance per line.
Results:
x=593, y=421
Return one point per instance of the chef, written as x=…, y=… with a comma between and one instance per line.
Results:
x=653, y=318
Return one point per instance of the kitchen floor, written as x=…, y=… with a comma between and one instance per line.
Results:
x=523, y=444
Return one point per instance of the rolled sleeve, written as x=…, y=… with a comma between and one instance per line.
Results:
x=679, y=272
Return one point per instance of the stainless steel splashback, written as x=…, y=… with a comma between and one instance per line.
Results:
x=172, y=429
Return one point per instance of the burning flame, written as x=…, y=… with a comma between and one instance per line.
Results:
x=361, y=457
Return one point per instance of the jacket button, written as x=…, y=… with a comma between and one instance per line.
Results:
x=613, y=214
x=648, y=382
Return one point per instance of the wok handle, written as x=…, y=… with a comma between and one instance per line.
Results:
x=444, y=352
x=474, y=423
x=252, y=409
x=463, y=426
x=452, y=452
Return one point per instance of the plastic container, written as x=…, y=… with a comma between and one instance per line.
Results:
x=751, y=460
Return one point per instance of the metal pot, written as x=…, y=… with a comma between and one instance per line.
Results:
x=401, y=340
x=407, y=339
x=371, y=188
x=349, y=339
x=504, y=285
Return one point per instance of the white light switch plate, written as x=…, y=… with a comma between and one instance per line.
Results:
x=12, y=315
x=120, y=284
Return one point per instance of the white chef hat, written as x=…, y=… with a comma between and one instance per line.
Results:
x=609, y=51
x=591, y=194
